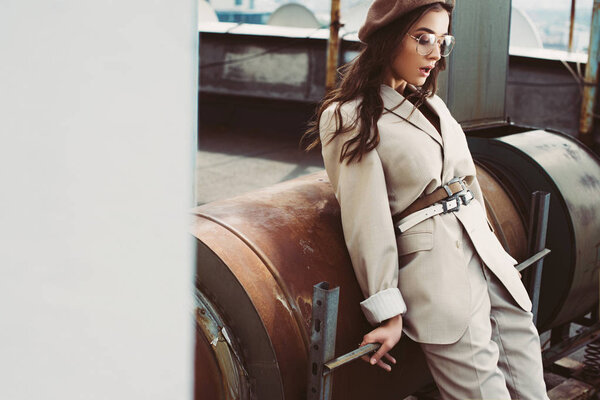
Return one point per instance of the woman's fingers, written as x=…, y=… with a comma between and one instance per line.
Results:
x=384, y=366
x=379, y=353
x=392, y=359
x=387, y=335
x=379, y=363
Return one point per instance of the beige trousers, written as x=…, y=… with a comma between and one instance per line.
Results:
x=499, y=355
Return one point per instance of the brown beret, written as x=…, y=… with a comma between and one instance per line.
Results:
x=382, y=12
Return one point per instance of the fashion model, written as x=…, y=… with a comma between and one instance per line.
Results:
x=413, y=214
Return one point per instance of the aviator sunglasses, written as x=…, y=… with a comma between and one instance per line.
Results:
x=426, y=41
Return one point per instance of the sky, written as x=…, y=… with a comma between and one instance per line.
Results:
x=550, y=4
x=323, y=5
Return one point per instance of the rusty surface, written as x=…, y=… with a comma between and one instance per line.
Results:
x=218, y=358
x=207, y=374
x=277, y=243
x=586, y=119
x=503, y=213
x=253, y=305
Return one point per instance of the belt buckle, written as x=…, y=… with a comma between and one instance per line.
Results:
x=460, y=180
x=451, y=204
x=466, y=196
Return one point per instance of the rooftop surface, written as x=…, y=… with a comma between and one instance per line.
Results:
x=234, y=161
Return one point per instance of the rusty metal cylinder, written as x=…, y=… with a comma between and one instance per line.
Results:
x=259, y=255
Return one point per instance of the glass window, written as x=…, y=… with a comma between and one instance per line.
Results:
x=551, y=22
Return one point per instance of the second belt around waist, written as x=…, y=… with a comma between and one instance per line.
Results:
x=436, y=196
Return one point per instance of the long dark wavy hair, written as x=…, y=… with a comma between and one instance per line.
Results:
x=362, y=78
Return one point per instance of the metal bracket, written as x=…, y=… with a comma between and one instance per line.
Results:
x=322, y=340
x=322, y=343
x=538, y=225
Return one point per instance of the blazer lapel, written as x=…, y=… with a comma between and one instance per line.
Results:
x=391, y=100
x=446, y=130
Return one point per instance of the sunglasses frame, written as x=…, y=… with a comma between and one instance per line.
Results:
x=438, y=38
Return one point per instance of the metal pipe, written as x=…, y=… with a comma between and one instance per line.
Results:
x=591, y=79
x=333, y=49
x=572, y=25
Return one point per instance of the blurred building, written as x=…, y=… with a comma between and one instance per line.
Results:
x=240, y=11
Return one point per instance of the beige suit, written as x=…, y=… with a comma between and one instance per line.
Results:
x=461, y=296
x=421, y=272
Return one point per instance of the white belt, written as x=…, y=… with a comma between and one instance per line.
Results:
x=450, y=204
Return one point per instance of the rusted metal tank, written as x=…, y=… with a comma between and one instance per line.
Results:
x=259, y=255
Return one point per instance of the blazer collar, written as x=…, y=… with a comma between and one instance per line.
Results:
x=391, y=98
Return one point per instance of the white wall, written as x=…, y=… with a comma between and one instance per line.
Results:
x=97, y=138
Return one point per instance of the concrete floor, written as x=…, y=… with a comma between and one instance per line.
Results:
x=234, y=161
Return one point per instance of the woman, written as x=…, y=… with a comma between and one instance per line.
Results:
x=413, y=214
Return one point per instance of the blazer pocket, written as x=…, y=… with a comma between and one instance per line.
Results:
x=411, y=242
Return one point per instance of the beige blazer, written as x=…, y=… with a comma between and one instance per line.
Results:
x=420, y=273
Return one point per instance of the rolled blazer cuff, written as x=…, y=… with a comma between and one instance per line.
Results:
x=383, y=305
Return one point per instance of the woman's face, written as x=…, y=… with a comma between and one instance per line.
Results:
x=407, y=63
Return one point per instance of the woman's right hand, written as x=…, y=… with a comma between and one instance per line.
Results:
x=388, y=334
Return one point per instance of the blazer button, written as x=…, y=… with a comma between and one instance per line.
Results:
x=458, y=244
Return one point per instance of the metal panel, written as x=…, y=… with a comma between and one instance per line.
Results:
x=562, y=166
x=479, y=62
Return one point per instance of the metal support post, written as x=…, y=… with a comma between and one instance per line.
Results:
x=538, y=225
x=322, y=340
x=572, y=25
x=322, y=343
x=333, y=48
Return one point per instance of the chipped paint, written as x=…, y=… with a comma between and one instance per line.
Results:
x=283, y=301
x=306, y=248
